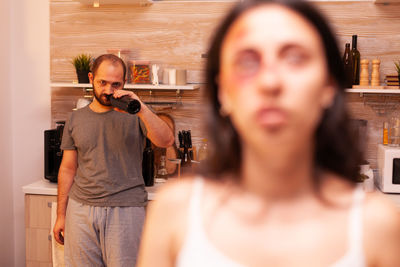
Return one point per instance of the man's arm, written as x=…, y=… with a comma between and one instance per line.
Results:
x=158, y=131
x=66, y=176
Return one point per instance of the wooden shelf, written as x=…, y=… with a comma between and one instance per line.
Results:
x=373, y=91
x=387, y=1
x=132, y=86
x=117, y=2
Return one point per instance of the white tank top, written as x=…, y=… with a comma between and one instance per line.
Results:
x=198, y=251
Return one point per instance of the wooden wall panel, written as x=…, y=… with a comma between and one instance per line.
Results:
x=175, y=34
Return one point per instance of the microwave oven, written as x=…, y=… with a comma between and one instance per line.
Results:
x=388, y=169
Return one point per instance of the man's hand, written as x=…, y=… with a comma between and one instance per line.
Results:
x=58, y=230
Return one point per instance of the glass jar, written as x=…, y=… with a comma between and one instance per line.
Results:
x=139, y=72
x=203, y=150
x=394, y=129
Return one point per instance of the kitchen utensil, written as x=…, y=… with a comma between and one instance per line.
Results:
x=169, y=152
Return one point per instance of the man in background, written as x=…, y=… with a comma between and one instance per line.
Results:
x=100, y=177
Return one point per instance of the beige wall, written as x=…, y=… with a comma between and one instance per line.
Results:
x=6, y=181
x=25, y=114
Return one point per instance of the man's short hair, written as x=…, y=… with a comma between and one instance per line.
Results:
x=108, y=57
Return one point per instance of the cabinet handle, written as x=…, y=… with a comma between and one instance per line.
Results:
x=49, y=237
x=49, y=204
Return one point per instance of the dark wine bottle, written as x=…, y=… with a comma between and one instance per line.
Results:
x=356, y=61
x=148, y=164
x=348, y=66
x=126, y=103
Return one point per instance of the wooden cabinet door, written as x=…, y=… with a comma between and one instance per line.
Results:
x=37, y=229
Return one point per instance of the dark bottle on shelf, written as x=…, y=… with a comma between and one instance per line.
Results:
x=348, y=66
x=356, y=61
x=148, y=164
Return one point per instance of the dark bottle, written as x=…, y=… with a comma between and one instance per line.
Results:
x=356, y=61
x=348, y=66
x=186, y=158
x=126, y=103
x=148, y=164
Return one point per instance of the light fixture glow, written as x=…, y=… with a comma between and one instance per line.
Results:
x=96, y=3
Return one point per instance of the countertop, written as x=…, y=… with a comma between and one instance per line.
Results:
x=44, y=187
x=395, y=198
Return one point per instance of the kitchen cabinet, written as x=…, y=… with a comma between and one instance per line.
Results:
x=38, y=200
x=37, y=229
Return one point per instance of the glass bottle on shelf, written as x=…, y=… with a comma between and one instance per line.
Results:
x=356, y=61
x=348, y=66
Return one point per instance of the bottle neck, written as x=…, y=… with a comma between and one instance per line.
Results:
x=354, y=43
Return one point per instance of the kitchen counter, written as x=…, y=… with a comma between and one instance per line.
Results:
x=395, y=198
x=44, y=187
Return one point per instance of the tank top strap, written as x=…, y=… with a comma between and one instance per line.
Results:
x=195, y=203
x=355, y=229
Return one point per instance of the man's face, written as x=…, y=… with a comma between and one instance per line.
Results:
x=108, y=78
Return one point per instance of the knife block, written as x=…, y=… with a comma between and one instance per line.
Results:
x=192, y=152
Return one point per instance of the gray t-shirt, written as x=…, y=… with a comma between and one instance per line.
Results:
x=110, y=151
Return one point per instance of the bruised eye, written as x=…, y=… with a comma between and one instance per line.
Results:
x=296, y=57
x=247, y=63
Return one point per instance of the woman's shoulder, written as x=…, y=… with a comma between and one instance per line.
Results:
x=178, y=191
x=382, y=230
x=381, y=215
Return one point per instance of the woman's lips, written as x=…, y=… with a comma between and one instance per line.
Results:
x=271, y=117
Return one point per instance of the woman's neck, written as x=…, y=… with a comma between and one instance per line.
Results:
x=280, y=173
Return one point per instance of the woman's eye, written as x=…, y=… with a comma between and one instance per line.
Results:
x=295, y=58
x=247, y=63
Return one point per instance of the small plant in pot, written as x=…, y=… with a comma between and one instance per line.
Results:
x=397, y=64
x=82, y=65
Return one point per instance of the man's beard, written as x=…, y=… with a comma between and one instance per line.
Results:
x=103, y=99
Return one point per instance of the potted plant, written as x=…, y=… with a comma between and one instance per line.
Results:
x=82, y=65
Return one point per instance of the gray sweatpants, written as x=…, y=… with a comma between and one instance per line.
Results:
x=102, y=236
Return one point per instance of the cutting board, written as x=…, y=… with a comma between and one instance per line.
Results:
x=169, y=152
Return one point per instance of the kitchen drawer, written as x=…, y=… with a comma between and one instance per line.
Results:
x=38, y=211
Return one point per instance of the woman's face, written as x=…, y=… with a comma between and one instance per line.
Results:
x=273, y=80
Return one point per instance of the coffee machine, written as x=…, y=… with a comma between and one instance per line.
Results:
x=52, y=151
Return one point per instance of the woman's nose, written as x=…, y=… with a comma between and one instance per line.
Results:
x=269, y=79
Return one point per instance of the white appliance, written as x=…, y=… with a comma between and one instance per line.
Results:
x=389, y=169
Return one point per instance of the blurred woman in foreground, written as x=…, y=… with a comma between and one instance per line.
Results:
x=279, y=189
